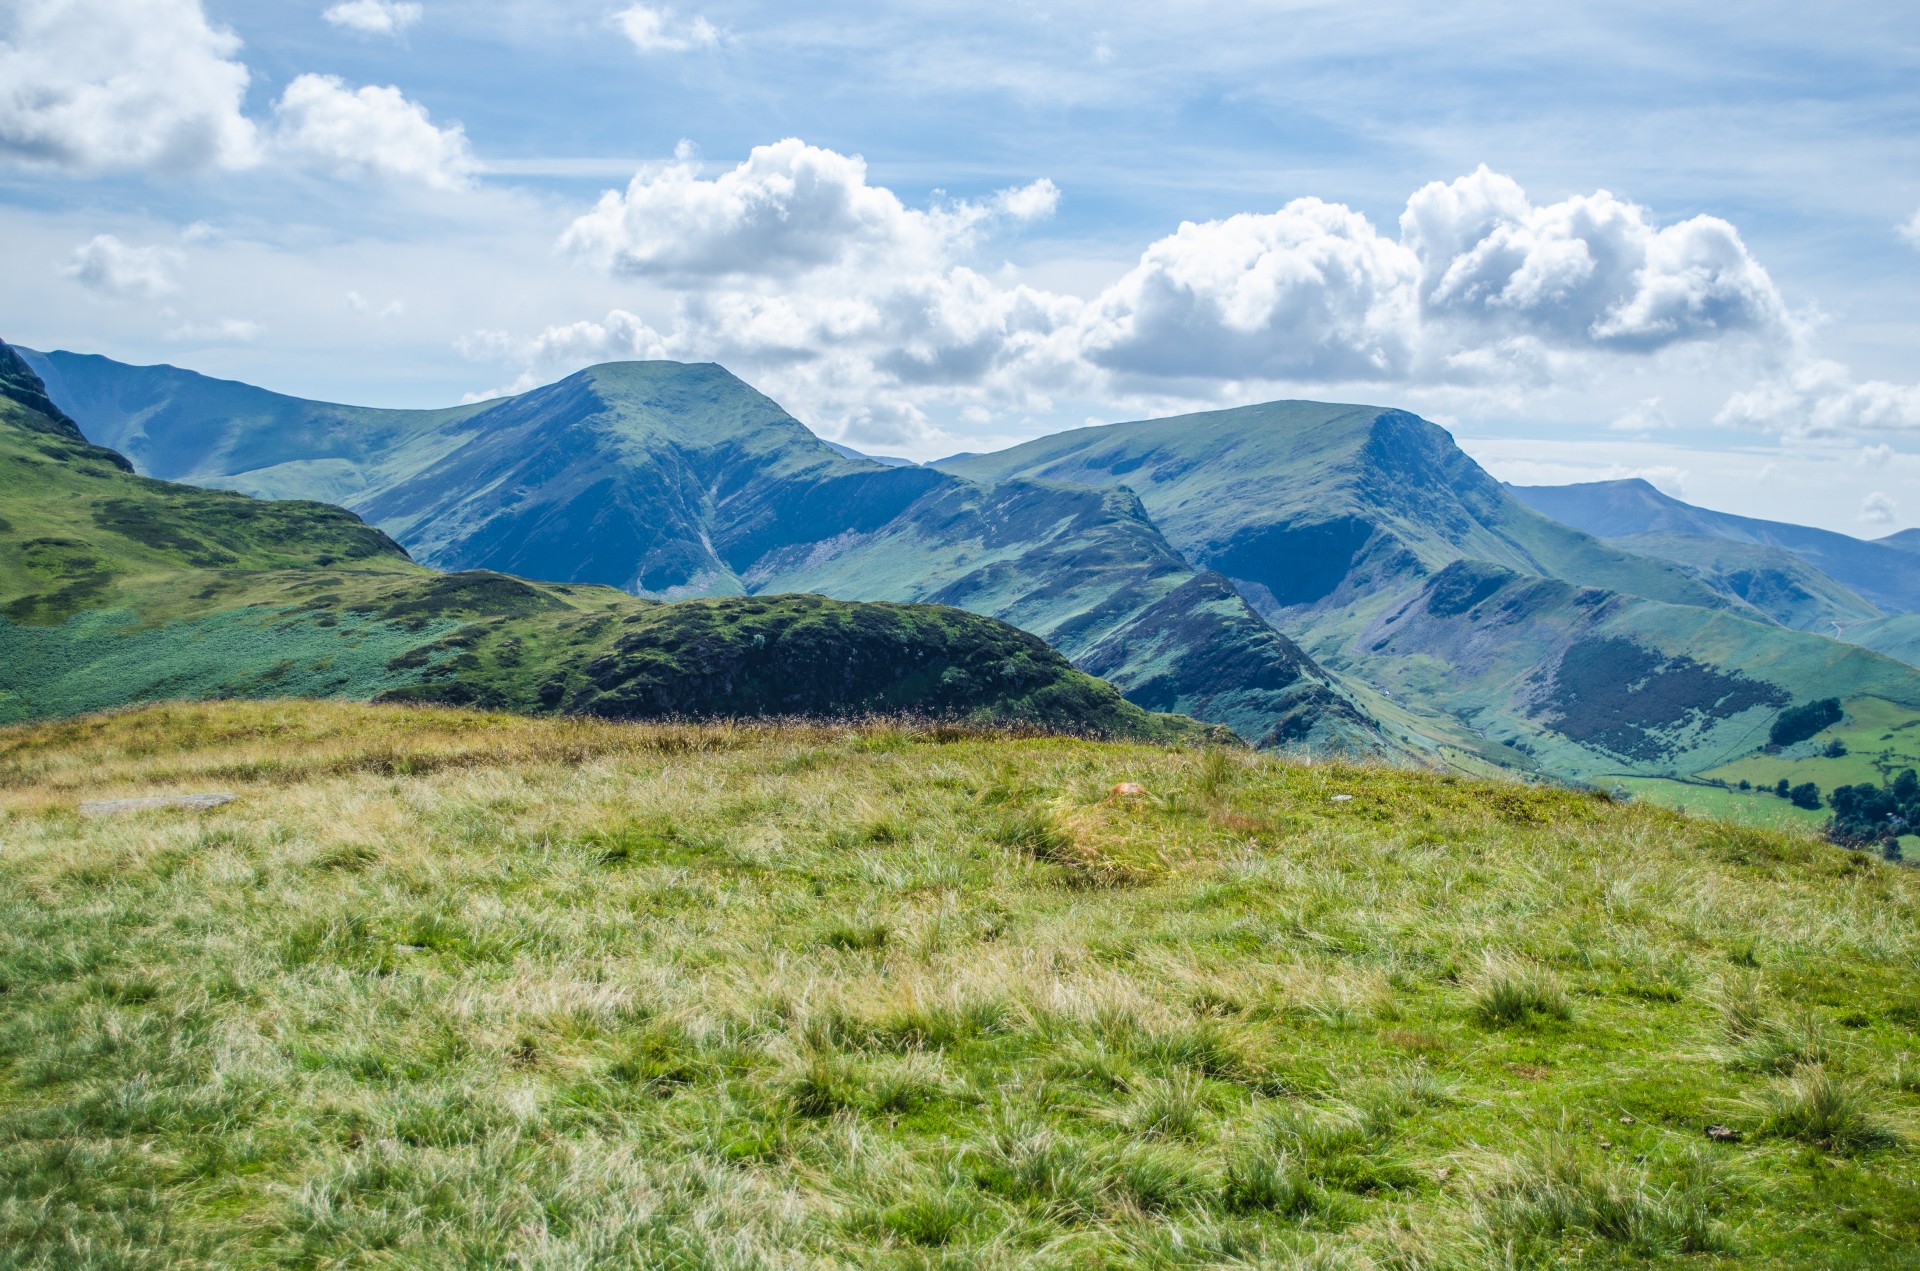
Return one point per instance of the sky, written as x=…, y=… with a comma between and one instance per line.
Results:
x=1593, y=240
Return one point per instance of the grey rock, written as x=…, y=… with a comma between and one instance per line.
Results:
x=109, y=807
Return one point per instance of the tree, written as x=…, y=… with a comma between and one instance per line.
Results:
x=1836, y=749
x=1865, y=814
x=1806, y=795
x=1745, y=784
x=1906, y=786
x=1890, y=850
x=1802, y=722
x=1781, y=790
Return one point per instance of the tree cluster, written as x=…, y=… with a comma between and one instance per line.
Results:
x=1869, y=815
x=1802, y=722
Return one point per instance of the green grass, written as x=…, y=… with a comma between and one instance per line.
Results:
x=1760, y=808
x=450, y=988
x=1881, y=738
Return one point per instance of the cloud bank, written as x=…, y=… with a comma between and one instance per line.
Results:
x=795, y=267
x=102, y=84
x=153, y=85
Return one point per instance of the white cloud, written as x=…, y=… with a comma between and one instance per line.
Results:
x=794, y=268
x=99, y=84
x=358, y=303
x=789, y=207
x=654, y=29
x=1588, y=272
x=1911, y=230
x=1876, y=456
x=1310, y=291
x=1480, y=285
x=375, y=17
x=1878, y=509
x=1647, y=416
x=216, y=331
x=1816, y=397
x=110, y=267
x=369, y=132
x=1035, y=201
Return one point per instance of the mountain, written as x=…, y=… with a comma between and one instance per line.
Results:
x=1897, y=636
x=1905, y=540
x=1435, y=612
x=891, y=461
x=1397, y=562
x=1884, y=573
x=1777, y=582
x=117, y=588
x=671, y=480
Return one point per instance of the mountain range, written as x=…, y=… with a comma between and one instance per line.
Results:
x=1304, y=573
x=117, y=588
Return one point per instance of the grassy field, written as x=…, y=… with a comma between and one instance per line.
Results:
x=1881, y=739
x=452, y=989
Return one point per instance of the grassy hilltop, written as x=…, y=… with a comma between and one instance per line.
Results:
x=451, y=988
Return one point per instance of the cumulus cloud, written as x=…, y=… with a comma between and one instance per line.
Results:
x=369, y=132
x=375, y=17
x=1911, y=230
x=110, y=267
x=1818, y=397
x=1480, y=284
x=795, y=267
x=1878, y=509
x=100, y=84
x=1310, y=291
x=653, y=29
x=1588, y=272
x=789, y=207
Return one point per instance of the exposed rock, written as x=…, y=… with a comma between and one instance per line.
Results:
x=109, y=807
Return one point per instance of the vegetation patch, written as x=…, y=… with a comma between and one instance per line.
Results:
x=442, y=987
x=1616, y=695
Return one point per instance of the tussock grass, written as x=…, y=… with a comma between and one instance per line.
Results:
x=445, y=988
x=1509, y=991
x=1817, y=1107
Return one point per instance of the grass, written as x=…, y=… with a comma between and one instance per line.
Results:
x=451, y=988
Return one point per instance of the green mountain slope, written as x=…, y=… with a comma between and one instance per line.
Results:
x=116, y=588
x=1397, y=562
x=1897, y=636
x=671, y=480
x=1779, y=583
x=1881, y=572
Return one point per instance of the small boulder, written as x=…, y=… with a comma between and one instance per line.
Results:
x=199, y=802
x=1128, y=790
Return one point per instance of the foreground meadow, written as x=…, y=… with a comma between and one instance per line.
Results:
x=452, y=989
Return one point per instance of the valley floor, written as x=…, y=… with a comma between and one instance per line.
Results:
x=444, y=988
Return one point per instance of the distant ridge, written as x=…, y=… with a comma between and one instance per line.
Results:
x=1886, y=573
x=675, y=480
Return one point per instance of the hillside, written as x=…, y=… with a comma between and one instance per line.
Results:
x=1880, y=572
x=1397, y=562
x=116, y=588
x=446, y=988
x=671, y=480
x=1182, y=559
x=1781, y=584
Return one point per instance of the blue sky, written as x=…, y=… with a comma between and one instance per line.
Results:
x=1597, y=241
